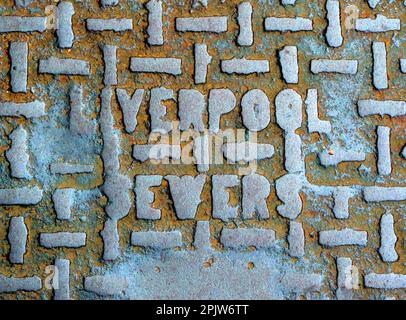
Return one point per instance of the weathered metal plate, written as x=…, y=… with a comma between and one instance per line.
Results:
x=202, y=149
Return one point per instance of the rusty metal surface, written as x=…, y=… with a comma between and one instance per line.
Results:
x=189, y=271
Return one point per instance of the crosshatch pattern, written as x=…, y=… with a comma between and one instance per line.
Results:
x=109, y=108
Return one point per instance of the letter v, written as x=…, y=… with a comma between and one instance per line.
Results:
x=130, y=107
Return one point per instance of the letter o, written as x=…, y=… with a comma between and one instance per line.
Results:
x=256, y=113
